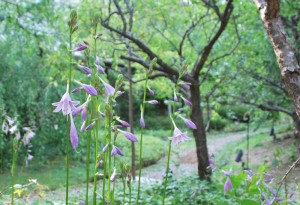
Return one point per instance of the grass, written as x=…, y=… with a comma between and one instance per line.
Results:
x=53, y=174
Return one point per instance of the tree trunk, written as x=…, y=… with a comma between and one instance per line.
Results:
x=296, y=121
x=199, y=133
x=285, y=53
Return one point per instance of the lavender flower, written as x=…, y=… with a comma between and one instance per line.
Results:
x=76, y=90
x=175, y=97
x=189, y=123
x=90, y=89
x=115, y=150
x=178, y=136
x=142, y=122
x=152, y=102
x=100, y=69
x=124, y=123
x=105, y=148
x=83, y=114
x=18, y=136
x=151, y=91
x=227, y=184
x=110, y=90
x=10, y=120
x=129, y=135
x=81, y=47
x=73, y=134
x=13, y=129
x=113, y=176
x=82, y=127
x=30, y=134
x=65, y=104
x=90, y=126
x=85, y=69
x=120, y=92
x=188, y=103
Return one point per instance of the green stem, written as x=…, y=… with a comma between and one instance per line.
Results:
x=67, y=136
x=13, y=170
x=141, y=142
x=167, y=172
x=97, y=130
x=88, y=145
x=124, y=188
x=129, y=193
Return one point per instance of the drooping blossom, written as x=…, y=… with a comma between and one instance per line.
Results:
x=110, y=90
x=83, y=114
x=81, y=47
x=29, y=134
x=82, y=127
x=129, y=135
x=120, y=92
x=73, y=134
x=151, y=91
x=105, y=148
x=187, y=102
x=85, y=69
x=268, y=178
x=115, y=150
x=152, y=102
x=66, y=105
x=90, y=126
x=142, y=122
x=76, y=90
x=113, y=176
x=124, y=123
x=178, y=136
x=189, y=123
x=10, y=120
x=90, y=89
x=227, y=185
x=13, y=129
x=100, y=69
x=175, y=97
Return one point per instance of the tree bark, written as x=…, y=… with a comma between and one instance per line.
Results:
x=296, y=121
x=199, y=133
x=285, y=53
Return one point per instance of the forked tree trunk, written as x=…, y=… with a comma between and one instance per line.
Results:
x=199, y=133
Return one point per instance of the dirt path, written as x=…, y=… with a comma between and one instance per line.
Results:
x=185, y=161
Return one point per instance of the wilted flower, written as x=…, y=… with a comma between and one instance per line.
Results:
x=110, y=90
x=115, y=150
x=113, y=176
x=153, y=102
x=187, y=102
x=178, y=136
x=73, y=134
x=85, y=69
x=65, y=104
x=129, y=135
x=86, y=43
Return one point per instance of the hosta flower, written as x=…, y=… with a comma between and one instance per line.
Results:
x=115, y=150
x=10, y=120
x=110, y=90
x=175, y=97
x=189, y=123
x=90, y=89
x=81, y=47
x=124, y=123
x=142, y=122
x=5, y=127
x=30, y=134
x=151, y=91
x=227, y=184
x=187, y=102
x=13, y=129
x=66, y=105
x=113, y=176
x=82, y=127
x=120, y=92
x=83, y=113
x=85, y=69
x=100, y=69
x=152, y=102
x=129, y=135
x=178, y=136
x=90, y=126
x=73, y=134
x=76, y=90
